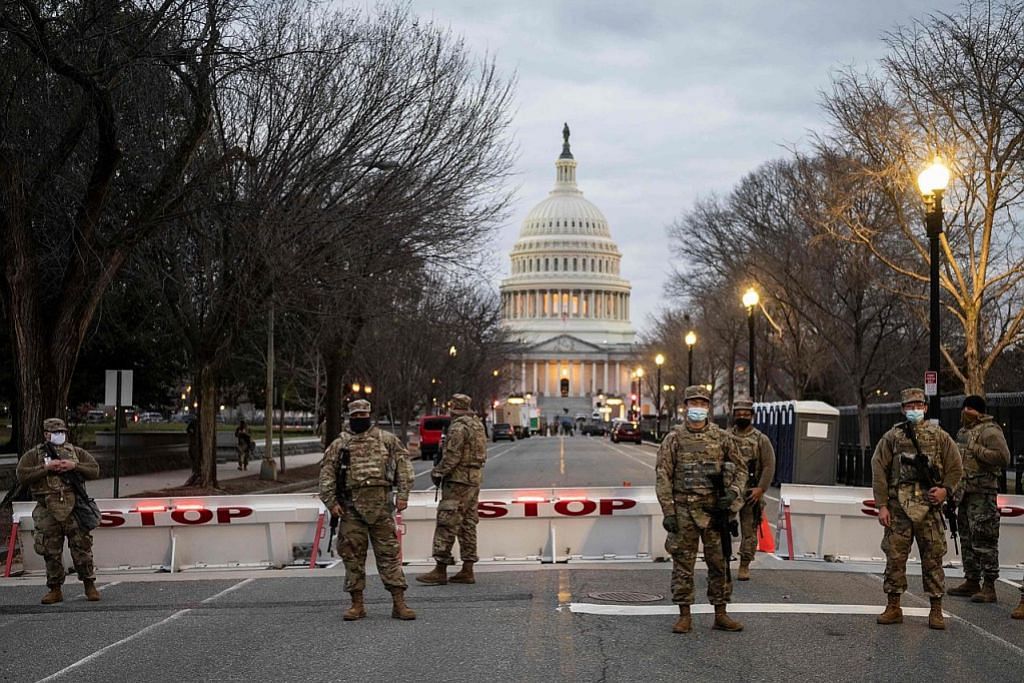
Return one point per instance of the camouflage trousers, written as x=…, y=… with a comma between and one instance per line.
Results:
x=48, y=541
x=978, y=517
x=749, y=522
x=897, y=543
x=244, y=453
x=368, y=519
x=694, y=528
x=457, y=517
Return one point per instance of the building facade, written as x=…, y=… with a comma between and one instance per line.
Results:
x=566, y=305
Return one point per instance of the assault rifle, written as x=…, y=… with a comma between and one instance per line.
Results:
x=438, y=457
x=339, y=491
x=722, y=521
x=86, y=512
x=754, y=476
x=928, y=476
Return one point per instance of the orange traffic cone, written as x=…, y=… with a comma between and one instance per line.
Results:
x=765, y=541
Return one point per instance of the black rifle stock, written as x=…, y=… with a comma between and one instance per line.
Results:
x=928, y=477
x=340, y=478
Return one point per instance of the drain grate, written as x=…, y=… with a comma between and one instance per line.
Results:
x=625, y=596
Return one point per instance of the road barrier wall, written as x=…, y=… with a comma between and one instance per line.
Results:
x=841, y=523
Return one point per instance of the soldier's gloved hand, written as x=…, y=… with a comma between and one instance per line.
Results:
x=671, y=524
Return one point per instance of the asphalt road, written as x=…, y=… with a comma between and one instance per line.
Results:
x=528, y=625
x=556, y=461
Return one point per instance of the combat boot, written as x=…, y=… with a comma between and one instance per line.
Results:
x=684, y=623
x=892, y=614
x=723, y=622
x=399, y=609
x=357, y=610
x=91, y=594
x=1018, y=612
x=966, y=589
x=438, y=576
x=935, y=619
x=465, y=574
x=55, y=595
x=987, y=592
x=744, y=572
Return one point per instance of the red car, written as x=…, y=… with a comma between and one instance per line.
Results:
x=431, y=429
x=626, y=431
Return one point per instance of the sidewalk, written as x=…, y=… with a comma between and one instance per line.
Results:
x=137, y=483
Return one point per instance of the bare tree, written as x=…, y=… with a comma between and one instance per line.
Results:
x=948, y=86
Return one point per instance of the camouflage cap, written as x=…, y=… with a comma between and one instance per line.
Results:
x=359, y=406
x=912, y=394
x=461, y=402
x=742, y=404
x=54, y=424
x=696, y=391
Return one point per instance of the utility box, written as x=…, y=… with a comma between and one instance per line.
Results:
x=805, y=435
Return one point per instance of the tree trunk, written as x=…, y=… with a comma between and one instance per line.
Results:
x=338, y=354
x=863, y=424
x=208, y=427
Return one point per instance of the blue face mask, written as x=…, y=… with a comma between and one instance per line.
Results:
x=696, y=414
x=915, y=416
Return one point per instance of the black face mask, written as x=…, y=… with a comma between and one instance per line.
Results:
x=742, y=422
x=358, y=425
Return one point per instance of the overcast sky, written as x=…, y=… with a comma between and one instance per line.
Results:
x=667, y=100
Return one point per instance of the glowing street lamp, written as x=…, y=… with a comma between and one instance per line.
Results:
x=750, y=300
x=659, y=360
x=691, y=340
x=932, y=182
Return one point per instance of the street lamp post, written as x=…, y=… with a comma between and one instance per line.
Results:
x=639, y=395
x=750, y=300
x=659, y=360
x=691, y=339
x=932, y=182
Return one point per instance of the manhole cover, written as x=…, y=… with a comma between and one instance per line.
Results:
x=623, y=596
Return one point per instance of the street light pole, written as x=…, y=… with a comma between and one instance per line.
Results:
x=932, y=183
x=639, y=396
x=750, y=300
x=659, y=360
x=691, y=339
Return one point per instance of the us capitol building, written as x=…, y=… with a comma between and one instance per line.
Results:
x=566, y=305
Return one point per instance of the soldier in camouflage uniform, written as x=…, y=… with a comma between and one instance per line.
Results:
x=55, y=502
x=459, y=475
x=377, y=460
x=759, y=455
x=985, y=454
x=688, y=455
x=908, y=509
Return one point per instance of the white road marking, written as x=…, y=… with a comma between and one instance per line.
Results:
x=137, y=634
x=490, y=458
x=1008, y=582
x=630, y=456
x=745, y=608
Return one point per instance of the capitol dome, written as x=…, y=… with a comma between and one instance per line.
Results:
x=565, y=269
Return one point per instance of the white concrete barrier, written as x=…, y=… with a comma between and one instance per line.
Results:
x=841, y=522
x=520, y=525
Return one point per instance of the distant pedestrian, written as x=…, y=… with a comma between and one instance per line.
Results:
x=243, y=444
x=459, y=476
x=53, y=470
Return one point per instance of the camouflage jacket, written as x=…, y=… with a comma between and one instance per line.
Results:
x=465, y=452
x=686, y=458
x=49, y=488
x=759, y=455
x=376, y=458
x=892, y=478
x=985, y=455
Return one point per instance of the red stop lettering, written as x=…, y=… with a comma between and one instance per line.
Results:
x=490, y=509
x=182, y=516
x=563, y=507
x=529, y=507
x=610, y=505
x=111, y=519
x=1010, y=511
x=225, y=515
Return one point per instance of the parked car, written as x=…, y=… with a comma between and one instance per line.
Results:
x=626, y=431
x=151, y=417
x=431, y=429
x=593, y=429
x=502, y=430
x=96, y=416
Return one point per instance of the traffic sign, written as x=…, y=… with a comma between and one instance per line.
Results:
x=931, y=383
